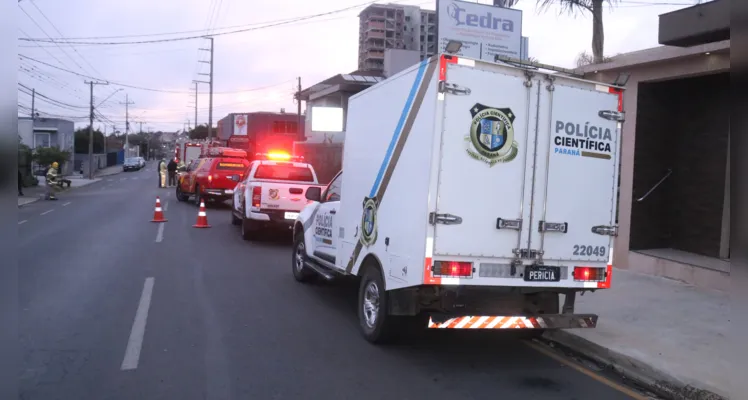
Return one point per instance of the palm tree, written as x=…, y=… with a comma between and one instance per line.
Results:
x=595, y=7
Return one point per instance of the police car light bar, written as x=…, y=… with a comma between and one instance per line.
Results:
x=279, y=156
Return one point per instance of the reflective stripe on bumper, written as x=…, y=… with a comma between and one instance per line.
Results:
x=557, y=321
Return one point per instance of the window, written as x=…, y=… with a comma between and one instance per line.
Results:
x=41, y=139
x=285, y=127
x=333, y=189
x=284, y=172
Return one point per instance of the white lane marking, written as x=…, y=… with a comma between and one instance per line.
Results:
x=67, y=204
x=46, y=212
x=166, y=205
x=22, y=222
x=160, y=233
x=135, y=343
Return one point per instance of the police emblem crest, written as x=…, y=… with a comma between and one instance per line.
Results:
x=491, y=137
x=369, y=222
x=273, y=194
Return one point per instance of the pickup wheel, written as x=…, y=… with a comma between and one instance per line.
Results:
x=180, y=196
x=376, y=324
x=301, y=272
x=198, y=197
x=249, y=231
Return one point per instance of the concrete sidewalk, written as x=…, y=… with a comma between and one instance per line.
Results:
x=667, y=336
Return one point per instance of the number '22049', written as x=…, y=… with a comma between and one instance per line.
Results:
x=582, y=250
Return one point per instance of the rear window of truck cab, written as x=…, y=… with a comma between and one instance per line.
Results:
x=284, y=172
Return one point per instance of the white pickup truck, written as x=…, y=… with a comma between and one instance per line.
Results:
x=493, y=195
x=271, y=195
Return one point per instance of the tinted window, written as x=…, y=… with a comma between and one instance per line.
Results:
x=333, y=189
x=284, y=173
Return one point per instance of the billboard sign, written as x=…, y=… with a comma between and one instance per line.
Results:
x=484, y=30
x=240, y=125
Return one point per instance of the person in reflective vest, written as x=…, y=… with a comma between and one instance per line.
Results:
x=51, y=181
x=162, y=173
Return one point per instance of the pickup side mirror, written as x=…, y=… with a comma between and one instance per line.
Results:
x=314, y=193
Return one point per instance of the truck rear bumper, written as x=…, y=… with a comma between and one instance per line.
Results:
x=547, y=321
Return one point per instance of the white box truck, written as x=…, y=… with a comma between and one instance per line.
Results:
x=473, y=195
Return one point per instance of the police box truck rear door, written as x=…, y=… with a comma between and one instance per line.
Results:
x=485, y=160
x=575, y=190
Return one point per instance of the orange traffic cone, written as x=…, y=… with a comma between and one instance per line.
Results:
x=202, y=217
x=158, y=213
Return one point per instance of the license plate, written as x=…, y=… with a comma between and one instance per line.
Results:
x=291, y=215
x=542, y=273
x=229, y=191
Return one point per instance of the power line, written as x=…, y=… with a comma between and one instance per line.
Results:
x=201, y=36
x=205, y=31
x=144, y=88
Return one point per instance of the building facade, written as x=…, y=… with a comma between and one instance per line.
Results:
x=48, y=132
x=674, y=205
x=394, y=26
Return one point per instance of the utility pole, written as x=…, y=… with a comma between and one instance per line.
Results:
x=33, y=104
x=299, y=131
x=127, y=122
x=90, y=129
x=210, y=101
x=141, y=127
x=196, y=104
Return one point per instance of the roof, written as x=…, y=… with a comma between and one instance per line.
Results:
x=655, y=55
x=356, y=78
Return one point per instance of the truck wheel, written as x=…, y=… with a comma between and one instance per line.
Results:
x=301, y=272
x=375, y=323
x=248, y=229
x=180, y=195
x=198, y=198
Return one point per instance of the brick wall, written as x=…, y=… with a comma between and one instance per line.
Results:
x=681, y=124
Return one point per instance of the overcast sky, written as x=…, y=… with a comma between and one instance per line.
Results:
x=267, y=60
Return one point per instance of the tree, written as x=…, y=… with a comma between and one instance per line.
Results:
x=594, y=7
x=585, y=58
x=47, y=155
x=81, y=141
x=199, y=132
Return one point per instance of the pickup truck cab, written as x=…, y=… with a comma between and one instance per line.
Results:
x=272, y=193
x=213, y=176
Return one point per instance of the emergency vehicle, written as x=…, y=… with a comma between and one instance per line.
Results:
x=213, y=175
x=493, y=195
x=272, y=194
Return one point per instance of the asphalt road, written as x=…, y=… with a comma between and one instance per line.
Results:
x=113, y=306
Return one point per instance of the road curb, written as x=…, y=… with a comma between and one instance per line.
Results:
x=643, y=374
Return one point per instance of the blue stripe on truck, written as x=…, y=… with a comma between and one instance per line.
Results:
x=399, y=127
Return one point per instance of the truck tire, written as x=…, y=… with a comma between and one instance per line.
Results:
x=301, y=272
x=198, y=198
x=180, y=196
x=248, y=229
x=376, y=325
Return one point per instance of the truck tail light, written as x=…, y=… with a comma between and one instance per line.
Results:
x=256, y=195
x=588, y=274
x=210, y=178
x=454, y=269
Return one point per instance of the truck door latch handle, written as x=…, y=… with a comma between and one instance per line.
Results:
x=333, y=212
x=605, y=230
x=502, y=223
x=561, y=227
x=446, y=219
x=452, y=88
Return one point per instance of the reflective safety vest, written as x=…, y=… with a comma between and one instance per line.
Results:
x=51, y=175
